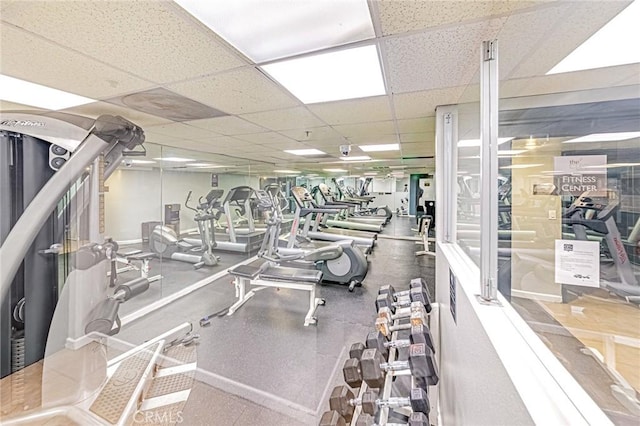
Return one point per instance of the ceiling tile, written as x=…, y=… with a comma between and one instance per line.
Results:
x=181, y=130
x=417, y=137
x=418, y=148
x=313, y=134
x=424, y=103
x=417, y=125
x=285, y=119
x=152, y=39
x=410, y=63
x=237, y=92
x=403, y=16
x=269, y=138
x=96, y=109
x=582, y=19
x=227, y=125
x=354, y=111
x=12, y=106
x=34, y=59
x=366, y=129
x=373, y=140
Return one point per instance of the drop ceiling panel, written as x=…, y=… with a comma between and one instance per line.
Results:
x=417, y=125
x=240, y=91
x=269, y=138
x=423, y=104
x=572, y=81
x=285, y=119
x=12, y=106
x=354, y=111
x=229, y=126
x=402, y=16
x=181, y=130
x=34, y=59
x=96, y=109
x=373, y=140
x=148, y=38
x=313, y=134
x=584, y=19
x=366, y=129
x=417, y=137
x=438, y=58
x=417, y=148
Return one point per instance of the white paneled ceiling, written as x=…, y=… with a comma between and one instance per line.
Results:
x=429, y=52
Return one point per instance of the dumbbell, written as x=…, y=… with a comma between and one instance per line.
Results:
x=376, y=340
x=332, y=418
x=420, y=363
x=416, y=419
x=343, y=401
x=386, y=299
x=416, y=314
x=417, y=283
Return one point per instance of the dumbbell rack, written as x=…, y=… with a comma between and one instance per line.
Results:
x=388, y=383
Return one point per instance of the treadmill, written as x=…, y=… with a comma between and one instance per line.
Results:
x=306, y=208
x=243, y=240
x=348, y=221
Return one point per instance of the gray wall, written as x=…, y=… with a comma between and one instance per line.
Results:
x=137, y=196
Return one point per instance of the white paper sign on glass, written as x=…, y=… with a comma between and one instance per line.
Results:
x=578, y=262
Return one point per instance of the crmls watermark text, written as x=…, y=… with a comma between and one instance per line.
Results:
x=158, y=417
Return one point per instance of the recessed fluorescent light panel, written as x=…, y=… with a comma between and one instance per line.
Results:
x=286, y=171
x=345, y=74
x=370, y=173
x=605, y=137
x=380, y=148
x=268, y=30
x=205, y=165
x=468, y=143
x=356, y=158
x=304, y=152
x=174, y=159
x=522, y=166
x=138, y=161
x=611, y=45
x=335, y=170
x=32, y=94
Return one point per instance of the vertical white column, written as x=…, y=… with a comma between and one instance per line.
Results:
x=489, y=170
x=446, y=170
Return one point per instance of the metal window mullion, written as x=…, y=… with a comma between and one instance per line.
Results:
x=489, y=170
x=449, y=178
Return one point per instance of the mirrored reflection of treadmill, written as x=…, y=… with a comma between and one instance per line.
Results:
x=344, y=220
x=243, y=241
x=306, y=206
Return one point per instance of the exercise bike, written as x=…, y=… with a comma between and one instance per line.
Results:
x=165, y=242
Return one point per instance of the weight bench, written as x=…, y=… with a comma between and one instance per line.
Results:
x=276, y=276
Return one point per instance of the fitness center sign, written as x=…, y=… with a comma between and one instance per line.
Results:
x=576, y=174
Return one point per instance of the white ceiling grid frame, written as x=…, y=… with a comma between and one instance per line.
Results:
x=313, y=134
x=417, y=125
x=53, y=64
x=275, y=139
x=143, y=31
x=240, y=91
x=285, y=119
x=366, y=129
x=353, y=111
x=411, y=58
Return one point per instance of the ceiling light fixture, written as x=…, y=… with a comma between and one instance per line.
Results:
x=521, y=166
x=468, y=143
x=174, y=159
x=344, y=74
x=129, y=161
x=370, y=173
x=605, y=137
x=335, y=170
x=205, y=165
x=380, y=148
x=304, y=152
x=611, y=45
x=356, y=158
x=287, y=171
x=510, y=152
x=268, y=30
x=36, y=95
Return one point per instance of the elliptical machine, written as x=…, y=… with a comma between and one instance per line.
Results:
x=164, y=241
x=347, y=265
